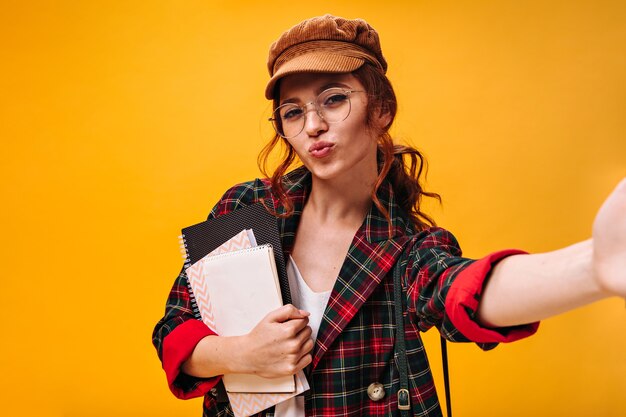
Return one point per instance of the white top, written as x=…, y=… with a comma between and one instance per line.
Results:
x=306, y=299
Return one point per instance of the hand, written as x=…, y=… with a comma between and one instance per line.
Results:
x=280, y=344
x=609, y=243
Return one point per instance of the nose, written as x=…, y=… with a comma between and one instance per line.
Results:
x=314, y=123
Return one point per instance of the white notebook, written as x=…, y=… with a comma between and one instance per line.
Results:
x=242, y=287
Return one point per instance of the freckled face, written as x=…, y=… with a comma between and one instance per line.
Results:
x=332, y=150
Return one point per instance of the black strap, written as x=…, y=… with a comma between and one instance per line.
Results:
x=404, y=399
x=446, y=376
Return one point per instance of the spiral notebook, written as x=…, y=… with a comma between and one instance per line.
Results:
x=203, y=238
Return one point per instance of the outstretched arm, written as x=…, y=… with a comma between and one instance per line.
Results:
x=528, y=288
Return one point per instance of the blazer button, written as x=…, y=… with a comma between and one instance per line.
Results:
x=376, y=391
x=214, y=392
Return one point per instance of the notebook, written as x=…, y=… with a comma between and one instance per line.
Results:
x=241, y=288
x=203, y=238
x=197, y=284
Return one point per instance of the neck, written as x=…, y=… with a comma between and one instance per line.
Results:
x=346, y=200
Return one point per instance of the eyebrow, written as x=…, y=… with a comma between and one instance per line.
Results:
x=318, y=91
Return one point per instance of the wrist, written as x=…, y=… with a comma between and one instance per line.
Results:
x=583, y=264
x=237, y=354
x=214, y=355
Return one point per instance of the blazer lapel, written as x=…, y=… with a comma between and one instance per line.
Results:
x=374, y=250
x=364, y=268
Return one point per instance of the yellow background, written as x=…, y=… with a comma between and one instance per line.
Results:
x=122, y=122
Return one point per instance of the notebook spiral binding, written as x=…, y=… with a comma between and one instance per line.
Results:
x=192, y=298
x=238, y=251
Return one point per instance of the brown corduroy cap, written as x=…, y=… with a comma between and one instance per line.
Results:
x=324, y=44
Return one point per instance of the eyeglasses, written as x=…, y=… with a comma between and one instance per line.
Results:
x=332, y=105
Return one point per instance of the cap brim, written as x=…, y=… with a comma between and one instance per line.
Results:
x=313, y=62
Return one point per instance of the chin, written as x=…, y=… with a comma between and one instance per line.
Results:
x=325, y=172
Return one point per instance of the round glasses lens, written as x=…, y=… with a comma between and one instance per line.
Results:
x=288, y=120
x=334, y=104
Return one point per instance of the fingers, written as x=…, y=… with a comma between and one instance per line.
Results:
x=287, y=312
x=307, y=347
x=304, y=335
x=300, y=343
x=302, y=357
x=304, y=362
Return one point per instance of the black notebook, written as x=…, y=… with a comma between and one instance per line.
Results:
x=201, y=239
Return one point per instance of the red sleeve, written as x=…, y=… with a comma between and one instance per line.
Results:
x=177, y=347
x=463, y=298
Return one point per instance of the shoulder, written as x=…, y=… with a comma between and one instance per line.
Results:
x=428, y=239
x=431, y=252
x=242, y=195
x=260, y=189
x=436, y=238
x=431, y=245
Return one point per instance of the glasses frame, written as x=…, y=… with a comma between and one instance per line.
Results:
x=304, y=107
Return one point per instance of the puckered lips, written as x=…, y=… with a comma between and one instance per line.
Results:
x=321, y=149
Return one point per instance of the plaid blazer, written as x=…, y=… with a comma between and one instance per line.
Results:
x=355, y=342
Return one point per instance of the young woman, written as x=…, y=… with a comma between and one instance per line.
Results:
x=348, y=217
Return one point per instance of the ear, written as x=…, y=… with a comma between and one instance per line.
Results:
x=383, y=119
